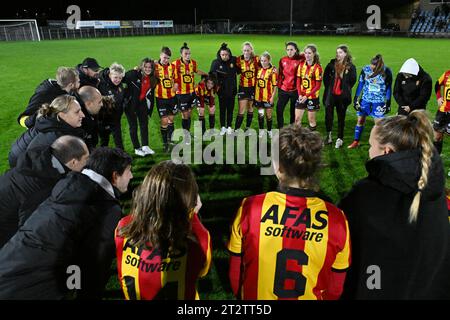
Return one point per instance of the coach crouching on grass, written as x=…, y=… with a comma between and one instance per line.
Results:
x=73, y=227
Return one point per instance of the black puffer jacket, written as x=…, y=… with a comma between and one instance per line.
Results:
x=85, y=80
x=74, y=226
x=411, y=256
x=413, y=92
x=347, y=83
x=226, y=72
x=107, y=88
x=89, y=124
x=44, y=133
x=25, y=187
x=45, y=93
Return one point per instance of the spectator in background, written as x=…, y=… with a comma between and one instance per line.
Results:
x=110, y=117
x=398, y=215
x=287, y=81
x=91, y=104
x=139, y=96
x=247, y=65
x=89, y=71
x=163, y=229
x=74, y=226
x=294, y=233
x=62, y=117
x=339, y=78
x=412, y=88
x=67, y=82
x=26, y=186
x=225, y=70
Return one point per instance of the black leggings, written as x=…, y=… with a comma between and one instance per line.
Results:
x=283, y=99
x=134, y=112
x=226, y=107
x=341, y=110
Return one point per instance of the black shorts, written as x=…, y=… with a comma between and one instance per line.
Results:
x=246, y=93
x=309, y=104
x=441, y=122
x=262, y=104
x=185, y=101
x=166, y=107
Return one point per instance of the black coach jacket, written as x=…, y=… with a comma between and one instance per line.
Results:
x=25, y=187
x=44, y=133
x=74, y=226
x=412, y=257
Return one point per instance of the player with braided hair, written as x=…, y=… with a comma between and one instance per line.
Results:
x=398, y=214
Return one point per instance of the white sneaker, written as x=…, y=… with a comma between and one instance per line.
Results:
x=248, y=133
x=339, y=143
x=147, y=150
x=262, y=132
x=223, y=131
x=139, y=152
x=329, y=139
x=229, y=130
x=270, y=134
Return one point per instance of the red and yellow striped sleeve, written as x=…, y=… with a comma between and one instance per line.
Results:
x=343, y=258
x=235, y=243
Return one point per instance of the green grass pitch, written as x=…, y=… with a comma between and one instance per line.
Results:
x=25, y=64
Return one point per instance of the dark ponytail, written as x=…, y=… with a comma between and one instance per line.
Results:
x=184, y=47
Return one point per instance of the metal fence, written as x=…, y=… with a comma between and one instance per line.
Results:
x=48, y=33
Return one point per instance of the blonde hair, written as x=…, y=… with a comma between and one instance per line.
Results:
x=266, y=54
x=248, y=43
x=66, y=76
x=59, y=104
x=405, y=133
x=117, y=68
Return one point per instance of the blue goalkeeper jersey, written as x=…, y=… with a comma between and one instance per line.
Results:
x=376, y=89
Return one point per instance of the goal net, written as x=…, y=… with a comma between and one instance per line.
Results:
x=19, y=30
x=215, y=26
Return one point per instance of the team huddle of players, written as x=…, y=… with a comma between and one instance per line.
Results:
x=293, y=243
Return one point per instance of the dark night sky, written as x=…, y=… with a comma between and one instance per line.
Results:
x=236, y=10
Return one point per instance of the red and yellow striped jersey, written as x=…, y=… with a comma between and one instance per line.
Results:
x=266, y=81
x=247, y=70
x=444, y=81
x=145, y=275
x=165, y=76
x=204, y=95
x=309, y=79
x=184, y=75
x=290, y=243
x=448, y=207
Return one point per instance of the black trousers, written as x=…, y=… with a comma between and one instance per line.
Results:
x=134, y=112
x=226, y=107
x=341, y=110
x=112, y=125
x=283, y=98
